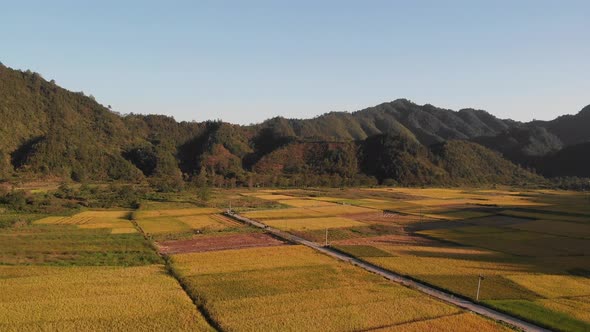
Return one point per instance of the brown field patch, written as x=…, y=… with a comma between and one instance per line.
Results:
x=215, y=243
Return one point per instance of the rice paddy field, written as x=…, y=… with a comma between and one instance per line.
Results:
x=293, y=288
x=92, y=271
x=174, y=265
x=171, y=221
x=531, y=247
x=35, y=298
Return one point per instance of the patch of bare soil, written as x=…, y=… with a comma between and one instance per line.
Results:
x=214, y=243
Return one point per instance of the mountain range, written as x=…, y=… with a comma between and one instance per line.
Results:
x=48, y=131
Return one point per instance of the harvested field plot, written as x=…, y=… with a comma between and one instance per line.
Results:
x=212, y=243
x=294, y=288
x=94, y=299
x=313, y=223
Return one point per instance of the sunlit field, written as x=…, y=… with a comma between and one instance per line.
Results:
x=531, y=247
x=292, y=288
x=92, y=271
x=94, y=299
x=532, y=255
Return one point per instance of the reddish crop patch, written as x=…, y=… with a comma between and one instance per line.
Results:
x=214, y=243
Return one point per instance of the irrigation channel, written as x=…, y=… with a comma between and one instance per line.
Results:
x=444, y=296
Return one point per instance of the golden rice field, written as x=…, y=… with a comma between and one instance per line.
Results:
x=531, y=246
x=94, y=299
x=116, y=221
x=272, y=197
x=537, y=290
x=293, y=288
x=205, y=222
x=163, y=225
x=142, y=214
x=167, y=222
x=281, y=214
x=305, y=203
x=313, y=223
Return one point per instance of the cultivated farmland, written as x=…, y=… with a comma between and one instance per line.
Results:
x=531, y=247
x=88, y=272
x=292, y=288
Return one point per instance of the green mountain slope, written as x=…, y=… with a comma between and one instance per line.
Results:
x=54, y=132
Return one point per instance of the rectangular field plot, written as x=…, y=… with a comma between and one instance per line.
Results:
x=142, y=214
x=451, y=323
x=282, y=214
x=515, y=242
x=71, y=245
x=273, y=197
x=218, y=242
x=94, y=299
x=163, y=225
x=292, y=288
x=313, y=223
x=188, y=223
x=569, y=229
x=117, y=221
x=305, y=203
x=555, y=314
x=539, y=289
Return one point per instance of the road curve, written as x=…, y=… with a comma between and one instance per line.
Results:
x=441, y=295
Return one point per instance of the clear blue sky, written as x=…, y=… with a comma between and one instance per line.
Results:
x=246, y=61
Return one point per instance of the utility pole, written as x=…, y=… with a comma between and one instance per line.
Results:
x=478, y=287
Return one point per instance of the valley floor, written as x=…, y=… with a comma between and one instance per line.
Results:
x=175, y=265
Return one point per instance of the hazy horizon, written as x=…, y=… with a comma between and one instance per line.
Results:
x=247, y=63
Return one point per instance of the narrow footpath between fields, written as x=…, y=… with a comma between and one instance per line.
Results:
x=444, y=296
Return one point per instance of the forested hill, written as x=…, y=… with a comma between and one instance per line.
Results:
x=427, y=124
x=48, y=131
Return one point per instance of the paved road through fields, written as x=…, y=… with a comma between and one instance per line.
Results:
x=444, y=296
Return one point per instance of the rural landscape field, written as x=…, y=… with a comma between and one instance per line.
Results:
x=174, y=263
x=304, y=166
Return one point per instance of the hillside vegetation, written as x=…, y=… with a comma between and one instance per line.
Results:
x=57, y=133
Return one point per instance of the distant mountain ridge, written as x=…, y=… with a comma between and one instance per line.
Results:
x=51, y=131
x=427, y=124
